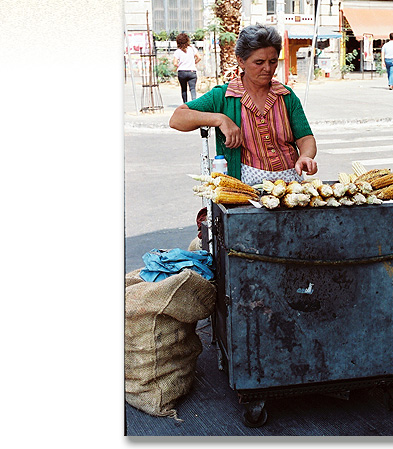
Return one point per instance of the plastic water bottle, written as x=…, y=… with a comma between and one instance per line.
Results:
x=220, y=165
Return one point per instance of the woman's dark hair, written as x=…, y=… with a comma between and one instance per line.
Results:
x=391, y=36
x=183, y=41
x=255, y=37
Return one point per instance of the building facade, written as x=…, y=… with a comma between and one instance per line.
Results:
x=342, y=26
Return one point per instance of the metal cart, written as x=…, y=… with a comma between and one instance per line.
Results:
x=305, y=301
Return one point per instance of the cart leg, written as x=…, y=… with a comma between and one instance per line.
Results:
x=255, y=414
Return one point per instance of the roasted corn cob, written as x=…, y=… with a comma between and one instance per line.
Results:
x=269, y=201
x=345, y=201
x=317, y=201
x=386, y=193
x=316, y=182
x=290, y=200
x=278, y=182
x=332, y=202
x=372, y=199
x=303, y=199
x=224, y=195
x=268, y=186
x=359, y=199
x=373, y=174
x=352, y=188
x=382, y=181
x=325, y=190
x=279, y=190
x=344, y=178
x=364, y=187
x=358, y=168
x=233, y=183
x=353, y=177
x=339, y=189
x=309, y=189
x=294, y=187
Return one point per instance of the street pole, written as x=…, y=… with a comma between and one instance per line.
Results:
x=280, y=10
x=311, y=63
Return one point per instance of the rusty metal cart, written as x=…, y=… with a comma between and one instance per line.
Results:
x=305, y=301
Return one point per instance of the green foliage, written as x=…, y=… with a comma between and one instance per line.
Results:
x=161, y=36
x=378, y=65
x=199, y=34
x=227, y=38
x=173, y=35
x=348, y=66
x=164, y=70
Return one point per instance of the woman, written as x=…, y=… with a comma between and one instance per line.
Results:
x=185, y=59
x=387, y=59
x=261, y=128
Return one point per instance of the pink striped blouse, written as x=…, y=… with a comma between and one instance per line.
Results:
x=267, y=139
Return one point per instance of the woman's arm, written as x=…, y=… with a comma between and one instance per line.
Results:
x=176, y=62
x=186, y=119
x=307, y=150
x=197, y=58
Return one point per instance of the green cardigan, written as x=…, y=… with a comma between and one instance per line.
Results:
x=216, y=101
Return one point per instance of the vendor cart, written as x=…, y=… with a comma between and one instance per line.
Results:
x=305, y=301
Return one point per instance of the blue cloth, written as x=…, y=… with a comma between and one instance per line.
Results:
x=160, y=264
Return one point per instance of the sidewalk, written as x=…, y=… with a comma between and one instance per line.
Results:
x=350, y=101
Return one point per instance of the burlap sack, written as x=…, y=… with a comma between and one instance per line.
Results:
x=161, y=346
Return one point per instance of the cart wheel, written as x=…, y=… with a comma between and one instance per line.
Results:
x=388, y=398
x=255, y=414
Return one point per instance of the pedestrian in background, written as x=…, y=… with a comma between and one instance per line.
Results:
x=185, y=59
x=387, y=59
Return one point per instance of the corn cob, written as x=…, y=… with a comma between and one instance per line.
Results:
x=332, y=202
x=317, y=201
x=203, y=188
x=345, y=201
x=386, y=193
x=269, y=201
x=316, y=182
x=290, y=200
x=353, y=177
x=382, y=181
x=303, y=199
x=279, y=190
x=223, y=195
x=359, y=199
x=364, y=187
x=351, y=188
x=373, y=174
x=278, y=182
x=358, y=168
x=233, y=183
x=339, y=189
x=372, y=199
x=325, y=190
x=294, y=187
x=309, y=188
x=268, y=186
x=344, y=178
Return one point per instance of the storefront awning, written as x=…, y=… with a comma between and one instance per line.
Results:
x=378, y=22
x=307, y=32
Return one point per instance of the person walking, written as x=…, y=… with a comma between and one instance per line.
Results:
x=387, y=59
x=185, y=59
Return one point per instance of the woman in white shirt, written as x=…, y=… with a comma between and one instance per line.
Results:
x=185, y=59
x=387, y=59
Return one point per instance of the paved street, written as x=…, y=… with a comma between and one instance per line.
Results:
x=352, y=120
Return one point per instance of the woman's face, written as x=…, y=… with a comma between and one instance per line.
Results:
x=260, y=66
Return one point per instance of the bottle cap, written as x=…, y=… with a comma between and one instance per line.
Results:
x=219, y=157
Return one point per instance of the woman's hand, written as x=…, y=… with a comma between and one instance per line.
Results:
x=307, y=150
x=231, y=131
x=307, y=164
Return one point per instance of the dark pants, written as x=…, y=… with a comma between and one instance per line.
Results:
x=187, y=77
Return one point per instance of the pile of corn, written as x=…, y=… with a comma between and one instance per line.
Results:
x=360, y=187
x=224, y=189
